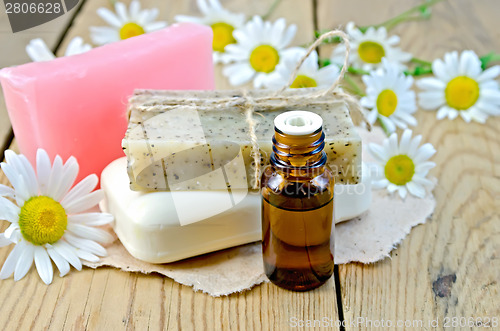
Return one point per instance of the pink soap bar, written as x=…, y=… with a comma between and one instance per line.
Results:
x=77, y=105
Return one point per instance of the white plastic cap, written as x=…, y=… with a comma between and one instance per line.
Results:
x=298, y=122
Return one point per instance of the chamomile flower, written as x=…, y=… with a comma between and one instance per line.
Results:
x=38, y=51
x=260, y=47
x=461, y=87
x=309, y=74
x=368, y=49
x=390, y=98
x=125, y=24
x=222, y=22
x=403, y=167
x=50, y=218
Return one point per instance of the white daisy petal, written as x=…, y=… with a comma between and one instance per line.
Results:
x=430, y=83
x=68, y=253
x=489, y=74
x=43, y=265
x=424, y=153
x=424, y=167
x=84, y=187
x=10, y=263
x=135, y=8
x=452, y=113
x=55, y=177
x=377, y=152
x=24, y=262
x=91, y=219
x=189, y=19
x=77, y=46
x=85, y=244
x=43, y=168
x=155, y=26
x=404, y=144
x=121, y=10
x=486, y=107
x=443, y=112
x=423, y=181
x=4, y=241
x=69, y=174
x=391, y=188
x=416, y=189
x=84, y=203
x=11, y=230
x=38, y=51
x=103, y=35
x=378, y=184
x=91, y=233
x=8, y=210
x=59, y=261
x=109, y=17
x=15, y=179
x=84, y=255
x=402, y=192
x=6, y=191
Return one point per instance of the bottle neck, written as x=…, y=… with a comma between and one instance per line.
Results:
x=293, y=151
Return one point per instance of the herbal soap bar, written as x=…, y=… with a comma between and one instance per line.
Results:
x=177, y=141
x=162, y=227
x=77, y=105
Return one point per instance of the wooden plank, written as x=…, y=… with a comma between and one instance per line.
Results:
x=13, y=53
x=449, y=267
x=111, y=299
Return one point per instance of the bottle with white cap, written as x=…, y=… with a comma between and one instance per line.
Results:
x=297, y=205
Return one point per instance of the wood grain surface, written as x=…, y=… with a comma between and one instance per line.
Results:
x=446, y=268
x=449, y=267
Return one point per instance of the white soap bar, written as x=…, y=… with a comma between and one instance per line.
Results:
x=162, y=227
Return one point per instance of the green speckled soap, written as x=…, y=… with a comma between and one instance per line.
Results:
x=181, y=141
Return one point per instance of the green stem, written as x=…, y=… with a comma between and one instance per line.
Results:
x=383, y=127
x=422, y=62
x=271, y=9
x=354, y=87
x=356, y=71
x=419, y=9
x=112, y=3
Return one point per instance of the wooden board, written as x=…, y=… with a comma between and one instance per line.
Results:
x=448, y=268
x=110, y=299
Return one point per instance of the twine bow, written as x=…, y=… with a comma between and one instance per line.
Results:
x=315, y=95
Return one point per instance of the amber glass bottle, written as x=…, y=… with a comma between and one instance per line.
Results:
x=297, y=205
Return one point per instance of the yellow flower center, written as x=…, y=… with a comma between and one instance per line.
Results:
x=461, y=92
x=42, y=220
x=371, y=52
x=399, y=169
x=264, y=58
x=131, y=29
x=303, y=81
x=223, y=36
x=387, y=101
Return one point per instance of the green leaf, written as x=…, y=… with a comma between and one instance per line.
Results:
x=490, y=57
x=324, y=62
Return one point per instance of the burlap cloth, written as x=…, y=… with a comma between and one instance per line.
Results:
x=365, y=239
